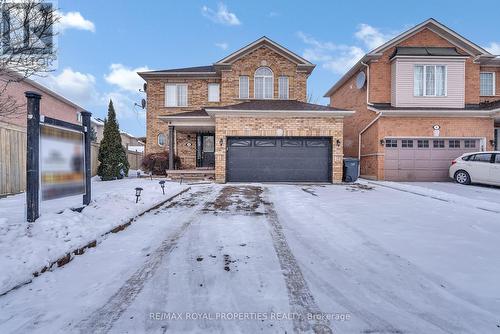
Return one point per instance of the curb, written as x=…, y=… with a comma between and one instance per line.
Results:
x=80, y=251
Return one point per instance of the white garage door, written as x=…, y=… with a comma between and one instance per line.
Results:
x=423, y=159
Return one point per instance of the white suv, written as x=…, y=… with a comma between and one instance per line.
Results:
x=477, y=167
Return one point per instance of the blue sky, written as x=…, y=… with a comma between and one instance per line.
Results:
x=103, y=43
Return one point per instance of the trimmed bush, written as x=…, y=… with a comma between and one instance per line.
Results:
x=158, y=163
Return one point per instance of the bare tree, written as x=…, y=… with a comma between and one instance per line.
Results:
x=27, y=46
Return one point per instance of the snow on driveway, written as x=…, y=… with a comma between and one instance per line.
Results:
x=279, y=258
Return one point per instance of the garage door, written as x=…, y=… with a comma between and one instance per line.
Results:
x=423, y=159
x=270, y=159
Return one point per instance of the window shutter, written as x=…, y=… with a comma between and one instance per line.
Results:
x=283, y=88
x=244, y=87
x=170, y=95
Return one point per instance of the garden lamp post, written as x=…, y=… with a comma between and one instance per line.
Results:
x=137, y=193
x=162, y=185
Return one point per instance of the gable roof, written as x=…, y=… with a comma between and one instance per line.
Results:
x=194, y=69
x=431, y=24
x=265, y=41
x=291, y=105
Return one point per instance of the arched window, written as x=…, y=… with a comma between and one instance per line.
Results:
x=161, y=139
x=263, y=83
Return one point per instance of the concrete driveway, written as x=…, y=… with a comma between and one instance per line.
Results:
x=279, y=258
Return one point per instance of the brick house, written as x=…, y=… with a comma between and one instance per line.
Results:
x=245, y=118
x=421, y=99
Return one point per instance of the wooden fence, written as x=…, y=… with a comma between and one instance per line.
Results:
x=13, y=159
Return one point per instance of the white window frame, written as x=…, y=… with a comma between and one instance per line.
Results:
x=494, y=81
x=281, y=80
x=176, y=104
x=217, y=98
x=247, y=93
x=424, y=81
x=263, y=84
x=158, y=139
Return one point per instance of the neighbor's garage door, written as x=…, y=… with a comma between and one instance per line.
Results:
x=423, y=159
x=292, y=159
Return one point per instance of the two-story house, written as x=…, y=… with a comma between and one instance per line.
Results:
x=421, y=99
x=246, y=117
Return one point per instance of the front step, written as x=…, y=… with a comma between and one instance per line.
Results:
x=191, y=175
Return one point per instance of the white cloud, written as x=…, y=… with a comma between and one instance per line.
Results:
x=74, y=20
x=493, y=48
x=337, y=58
x=125, y=78
x=222, y=15
x=372, y=37
x=75, y=86
x=222, y=45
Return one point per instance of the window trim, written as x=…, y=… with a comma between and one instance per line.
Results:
x=177, y=105
x=255, y=76
x=158, y=139
x=424, y=88
x=494, y=82
x=248, y=87
x=213, y=84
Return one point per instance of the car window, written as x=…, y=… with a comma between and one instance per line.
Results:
x=481, y=157
x=467, y=157
x=497, y=159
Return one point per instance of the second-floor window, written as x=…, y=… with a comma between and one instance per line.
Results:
x=244, y=87
x=176, y=95
x=283, y=87
x=429, y=80
x=487, y=83
x=213, y=92
x=263, y=83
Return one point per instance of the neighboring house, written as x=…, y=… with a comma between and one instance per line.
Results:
x=246, y=116
x=130, y=140
x=51, y=105
x=98, y=125
x=421, y=100
x=13, y=130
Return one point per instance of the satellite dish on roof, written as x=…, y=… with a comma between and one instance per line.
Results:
x=143, y=103
x=360, y=80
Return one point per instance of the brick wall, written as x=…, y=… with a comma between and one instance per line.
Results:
x=252, y=126
x=229, y=80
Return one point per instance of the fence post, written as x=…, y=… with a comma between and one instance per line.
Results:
x=32, y=156
x=87, y=197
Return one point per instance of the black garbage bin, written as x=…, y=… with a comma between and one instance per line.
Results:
x=351, y=166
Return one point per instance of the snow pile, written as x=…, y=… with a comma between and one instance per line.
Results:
x=425, y=189
x=27, y=248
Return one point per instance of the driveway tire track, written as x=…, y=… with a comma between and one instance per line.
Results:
x=308, y=317
x=102, y=319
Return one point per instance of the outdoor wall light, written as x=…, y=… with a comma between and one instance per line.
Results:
x=162, y=185
x=338, y=142
x=493, y=142
x=382, y=142
x=221, y=142
x=137, y=193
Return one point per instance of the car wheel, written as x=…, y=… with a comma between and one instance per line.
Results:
x=462, y=177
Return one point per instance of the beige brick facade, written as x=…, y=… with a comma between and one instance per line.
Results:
x=230, y=126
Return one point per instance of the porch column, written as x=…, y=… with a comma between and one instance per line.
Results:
x=171, y=137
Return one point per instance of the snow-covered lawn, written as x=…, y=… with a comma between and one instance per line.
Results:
x=289, y=258
x=27, y=248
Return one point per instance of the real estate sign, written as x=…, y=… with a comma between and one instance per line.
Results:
x=62, y=170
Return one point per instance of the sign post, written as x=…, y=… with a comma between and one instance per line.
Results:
x=32, y=158
x=58, y=156
x=87, y=197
